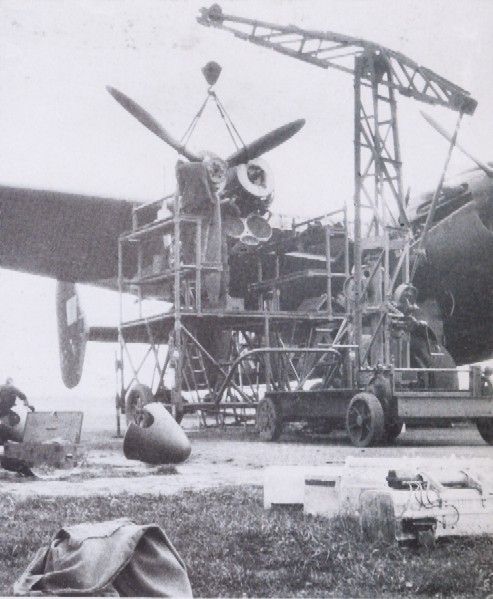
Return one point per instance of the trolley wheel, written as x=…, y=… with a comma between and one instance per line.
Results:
x=138, y=396
x=485, y=428
x=269, y=419
x=365, y=420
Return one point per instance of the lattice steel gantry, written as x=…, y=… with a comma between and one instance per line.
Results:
x=378, y=73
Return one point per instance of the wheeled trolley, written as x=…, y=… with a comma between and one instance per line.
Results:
x=375, y=414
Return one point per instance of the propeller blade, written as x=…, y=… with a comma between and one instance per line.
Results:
x=150, y=122
x=439, y=129
x=265, y=143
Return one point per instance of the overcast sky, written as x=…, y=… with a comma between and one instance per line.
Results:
x=61, y=130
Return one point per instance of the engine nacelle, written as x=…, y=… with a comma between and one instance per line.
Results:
x=72, y=333
x=457, y=272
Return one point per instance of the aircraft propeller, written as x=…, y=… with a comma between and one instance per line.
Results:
x=265, y=143
x=439, y=129
x=249, y=152
x=151, y=123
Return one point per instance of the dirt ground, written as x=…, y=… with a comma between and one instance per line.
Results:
x=227, y=456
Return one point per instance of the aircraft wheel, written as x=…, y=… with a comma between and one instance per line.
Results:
x=365, y=420
x=269, y=419
x=485, y=428
x=138, y=396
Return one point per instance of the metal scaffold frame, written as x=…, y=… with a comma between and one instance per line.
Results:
x=378, y=176
x=325, y=346
x=270, y=348
x=378, y=73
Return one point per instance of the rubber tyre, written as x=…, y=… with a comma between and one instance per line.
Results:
x=485, y=429
x=365, y=420
x=269, y=419
x=137, y=397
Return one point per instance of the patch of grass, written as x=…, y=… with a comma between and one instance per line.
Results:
x=234, y=548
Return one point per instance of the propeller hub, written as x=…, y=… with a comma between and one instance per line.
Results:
x=217, y=169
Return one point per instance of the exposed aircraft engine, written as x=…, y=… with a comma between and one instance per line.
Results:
x=258, y=227
x=249, y=191
x=226, y=197
x=250, y=187
x=233, y=226
x=72, y=333
x=249, y=231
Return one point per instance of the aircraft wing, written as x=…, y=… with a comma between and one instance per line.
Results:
x=66, y=236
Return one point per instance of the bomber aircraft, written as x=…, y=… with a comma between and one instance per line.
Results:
x=74, y=239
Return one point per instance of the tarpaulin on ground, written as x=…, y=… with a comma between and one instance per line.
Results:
x=116, y=558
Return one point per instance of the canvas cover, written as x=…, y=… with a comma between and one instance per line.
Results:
x=115, y=558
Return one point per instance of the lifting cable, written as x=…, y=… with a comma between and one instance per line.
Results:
x=190, y=129
x=230, y=126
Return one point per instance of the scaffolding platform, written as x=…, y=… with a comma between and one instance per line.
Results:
x=160, y=326
x=314, y=323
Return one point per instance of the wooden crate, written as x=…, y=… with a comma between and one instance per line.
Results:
x=50, y=439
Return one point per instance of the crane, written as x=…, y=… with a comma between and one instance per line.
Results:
x=378, y=74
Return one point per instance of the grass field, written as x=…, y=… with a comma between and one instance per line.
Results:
x=234, y=548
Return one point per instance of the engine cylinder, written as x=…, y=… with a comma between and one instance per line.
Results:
x=251, y=185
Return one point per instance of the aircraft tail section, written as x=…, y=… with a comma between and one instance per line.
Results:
x=72, y=333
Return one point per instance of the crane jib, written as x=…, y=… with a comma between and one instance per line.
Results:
x=328, y=49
